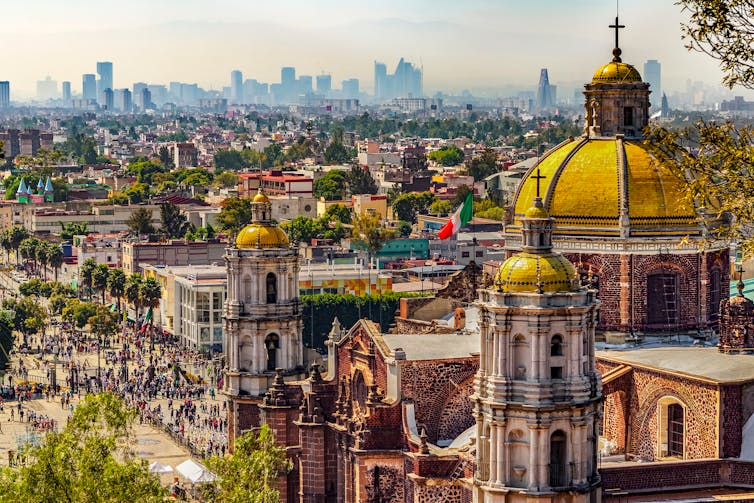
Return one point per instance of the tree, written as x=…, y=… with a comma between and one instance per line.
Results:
x=6, y=244
x=140, y=221
x=226, y=180
x=235, y=213
x=301, y=229
x=29, y=315
x=165, y=158
x=55, y=258
x=336, y=153
x=331, y=186
x=404, y=229
x=448, y=155
x=440, y=207
x=78, y=312
x=368, y=233
x=17, y=235
x=28, y=250
x=252, y=471
x=41, y=253
x=408, y=206
x=99, y=279
x=85, y=275
x=70, y=229
x=229, y=160
x=360, y=181
x=132, y=291
x=461, y=194
x=174, y=223
x=104, y=323
x=484, y=165
x=339, y=213
x=150, y=293
x=91, y=459
x=714, y=159
x=116, y=284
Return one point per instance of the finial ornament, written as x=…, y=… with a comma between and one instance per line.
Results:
x=740, y=285
x=617, y=52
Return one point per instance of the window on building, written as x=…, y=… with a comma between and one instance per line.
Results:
x=714, y=293
x=628, y=116
x=675, y=430
x=272, y=344
x=480, y=254
x=465, y=254
x=556, y=346
x=556, y=372
x=272, y=288
x=558, y=459
x=662, y=299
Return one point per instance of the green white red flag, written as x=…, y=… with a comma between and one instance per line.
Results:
x=461, y=217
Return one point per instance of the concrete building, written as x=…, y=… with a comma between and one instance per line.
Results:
x=185, y=155
x=275, y=182
x=4, y=94
x=89, y=86
x=371, y=204
x=173, y=253
x=105, y=81
x=653, y=75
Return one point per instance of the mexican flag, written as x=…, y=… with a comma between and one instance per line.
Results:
x=461, y=217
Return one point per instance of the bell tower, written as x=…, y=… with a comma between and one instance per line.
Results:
x=537, y=393
x=262, y=314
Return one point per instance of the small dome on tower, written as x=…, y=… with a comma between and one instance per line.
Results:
x=616, y=71
x=261, y=197
x=258, y=235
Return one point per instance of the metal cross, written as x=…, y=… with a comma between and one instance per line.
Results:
x=617, y=27
x=538, y=177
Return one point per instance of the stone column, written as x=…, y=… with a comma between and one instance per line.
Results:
x=494, y=452
x=625, y=292
x=533, y=453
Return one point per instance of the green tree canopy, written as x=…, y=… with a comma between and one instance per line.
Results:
x=407, y=206
x=90, y=460
x=448, y=155
x=70, y=229
x=140, y=221
x=484, y=165
x=235, y=214
x=360, y=181
x=174, y=223
x=331, y=186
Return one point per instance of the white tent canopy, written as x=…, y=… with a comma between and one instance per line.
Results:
x=157, y=467
x=195, y=472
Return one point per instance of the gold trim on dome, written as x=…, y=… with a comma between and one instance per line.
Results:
x=616, y=71
x=259, y=235
x=534, y=273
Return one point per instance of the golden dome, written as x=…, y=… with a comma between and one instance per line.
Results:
x=260, y=235
x=585, y=186
x=536, y=212
x=261, y=198
x=530, y=273
x=616, y=71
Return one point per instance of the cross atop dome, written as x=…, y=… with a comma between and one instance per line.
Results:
x=616, y=50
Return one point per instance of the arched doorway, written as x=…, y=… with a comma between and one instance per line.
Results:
x=662, y=299
x=272, y=344
x=272, y=288
x=671, y=419
x=715, y=293
x=558, y=459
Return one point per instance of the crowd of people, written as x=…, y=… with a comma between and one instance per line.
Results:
x=147, y=368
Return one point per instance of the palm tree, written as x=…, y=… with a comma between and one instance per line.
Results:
x=116, y=283
x=28, y=250
x=85, y=274
x=6, y=244
x=54, y=256
x=99, y=279
x=150, y=293
x=41, y=254
x=17, y=235
x=132, y=291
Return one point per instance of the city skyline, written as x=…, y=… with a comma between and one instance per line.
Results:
x=486, y=44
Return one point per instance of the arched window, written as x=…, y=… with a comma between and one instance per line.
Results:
x=520, y=353
x=272, y=288
x=247, y=289
x=714, y=293
x=360, y=390
x=558, y=459
x=556, y=346
x=271, y=345
x=671, y=419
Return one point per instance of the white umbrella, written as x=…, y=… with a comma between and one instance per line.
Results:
x=195, y=472
x=157, y=467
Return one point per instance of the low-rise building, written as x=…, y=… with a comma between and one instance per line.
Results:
x=172, y=253
x=369, y=204
x=275, y=183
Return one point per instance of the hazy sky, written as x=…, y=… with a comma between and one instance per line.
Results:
x=461, y=43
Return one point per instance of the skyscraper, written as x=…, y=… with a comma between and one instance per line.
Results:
x=380, y=80
x=4, y=94
x=324, y=84
x=350, y=88
x=107, y=99
x=545, y=92
x=122, y=100
x=89, y=86
x=653, y=74
x=236, y=86
x=304, y=84
x=66, y=91
x=47, y=89
x=287, y=83
x=105, y=71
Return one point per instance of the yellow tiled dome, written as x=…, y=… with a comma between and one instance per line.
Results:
x=585, y=185
x=529, y=272
x=615, y=71
x=259, y=235
x=261, y=198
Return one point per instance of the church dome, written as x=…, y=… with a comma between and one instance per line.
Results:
x=596, y=186
x=530, y=273
x=261, y=235
x=616, y=71
x=261, y=197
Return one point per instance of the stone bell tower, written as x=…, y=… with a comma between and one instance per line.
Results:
x=537, y=391
x=262, y=314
